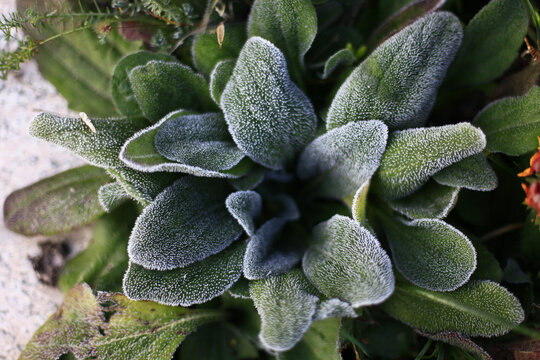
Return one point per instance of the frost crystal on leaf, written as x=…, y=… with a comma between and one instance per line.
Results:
x=111, y=196
x=344, y=158
x=430, y=253
x=269, y=117
x=472, y=173
x=347, y=262
x=193, y=284
x=220, y=77
x=413, y=155
x=244, y=206
x=186, y=223
x=398, y=82
x=333, y=308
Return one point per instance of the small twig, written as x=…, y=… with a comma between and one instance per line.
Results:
x=501, y=231
x=170, y=22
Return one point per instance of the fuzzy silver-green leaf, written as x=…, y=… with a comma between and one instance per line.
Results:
x=472, y=173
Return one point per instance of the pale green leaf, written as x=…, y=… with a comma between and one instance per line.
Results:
x=340, y=58
x=240, y=289
x=270, y=252
x=276, y=120
x=103, y=263
x=413, y=156
x=286, y=305
x=100, y=148
x=245, y=206
x=344, y=158
x=193, y=284
x=430, y=253
x=207, y=52
x=200, y=141
x=432, y=200
x=56, y=204
x=512, y=125
x=161, y=87
x=320, y=342
x=398, y=82
x=186, y=223
x=112, y=195
x=479, y=308
x=333, y=308
x=359, y=204
x=472, y=173
x=491, y=42
x=220, y=77
x=291, y=25
x=121, y=90
x=250, y=180
x=458, y=340
x=347, y=262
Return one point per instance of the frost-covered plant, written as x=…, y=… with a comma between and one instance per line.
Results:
x=249, y=187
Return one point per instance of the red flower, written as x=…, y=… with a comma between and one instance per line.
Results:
x=532, y=198
x=534, y=164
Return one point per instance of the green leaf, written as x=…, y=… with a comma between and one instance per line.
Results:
x=111, y=196
x=140, y=153
x=250, y=180
x=100, y=148
x=140, y=330
x=479, y=308
x=69, y=329
x=359, y=204
x=333, y=308
x=347, y=262
x=200, y=141
x=142, y=187
x=344, y=158
x=458, y=340
x=487, y=266
x=103, y=263
x=472, y=173
x=291, y=25
x=398, y=82
x=240, y=289
x=276, y=120
x=491, y=42
x=512, y=125
x=320, y=342
x=121, y=90
x=161, y=87
x=207, y=52
x=56, y=204
x=186, y=223
x=270, y=251
x=430, y=253
x=340, y=58
x=413, y=155
x=244, y=206
x=286, y=306
x=80, y=67
x=401, y=18
x=219, y=78
x=432, y=200
x=193, y=284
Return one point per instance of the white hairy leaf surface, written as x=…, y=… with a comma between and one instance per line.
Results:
x=240, y=289
x=347, y=262
x=432, y=200
x=140, y=153
x=121, y=90
x=473, y=172
x=100, y=148
x=413, y=156
x=344, y=158
x=269, y=117
x=143, y=187
x=286, y=305
x=479, y=308
x=245, y=206
x=161, y=87
x=291, y=25
x=219, y=78
x=250, y=180
x=430, y=253
x=340, y=58
x=359, y=204
x=111, y=196
x=201, y=141
x=193, y=284
x=398, y=82
x=333, y=308
x=266, y=254
x=459, y=340
x=186, y=223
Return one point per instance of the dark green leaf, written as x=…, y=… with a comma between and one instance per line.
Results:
x=342, y=57
x=472, y=173
x=460, y=341
x=56, y=204
x=219, y=78
x=112, y=195
x=245, y=206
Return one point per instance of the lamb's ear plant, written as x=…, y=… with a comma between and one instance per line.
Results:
x=314, y=193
